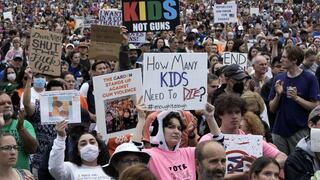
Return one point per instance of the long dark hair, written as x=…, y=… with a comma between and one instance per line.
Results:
x=260, y=163
x=102, y=158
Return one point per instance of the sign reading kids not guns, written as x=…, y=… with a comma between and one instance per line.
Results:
x=45, y=52
x=157, y=15
x=175, y=81
x=115, y=97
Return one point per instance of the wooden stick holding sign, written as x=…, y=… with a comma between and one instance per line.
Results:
x=45, y=52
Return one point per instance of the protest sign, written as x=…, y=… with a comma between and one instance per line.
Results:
x=278, y=1
x=105, y=42
x=225, y=13
x=157, y=15
x=60, y=105
x=238, y=146
x=115, y=97
x=175, y=81
x=8, y=15
x=138, y=37
x=45, y=52
x=255, y=11
x=110, y=17
x=235, y=58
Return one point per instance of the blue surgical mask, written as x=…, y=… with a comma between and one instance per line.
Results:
x=39, y=83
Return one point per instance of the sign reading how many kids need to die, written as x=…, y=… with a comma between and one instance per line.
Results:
x=175, y=81
x=157, y=15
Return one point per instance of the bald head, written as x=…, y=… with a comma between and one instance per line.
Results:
x=210, y=160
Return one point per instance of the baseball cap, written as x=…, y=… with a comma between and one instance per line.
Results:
x=315, y=112
x=17, y=58
x=234, y=71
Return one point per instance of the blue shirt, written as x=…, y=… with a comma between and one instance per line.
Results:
x=290, y=116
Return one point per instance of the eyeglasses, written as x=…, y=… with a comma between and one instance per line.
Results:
x=9, y=148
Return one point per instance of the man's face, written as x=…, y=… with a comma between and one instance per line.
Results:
x=83, y=50
x=6, y=105
x=133, y=53
x=286, y=63
x=213, y=165
x=231, y=119
x=277, y=68
x=261, y=65
x=100, y=69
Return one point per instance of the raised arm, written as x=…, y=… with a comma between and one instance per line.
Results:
x=57, y=167
x=137, y=136
x=27, y=134
x=29, y=108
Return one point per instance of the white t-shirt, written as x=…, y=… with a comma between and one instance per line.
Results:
x=34, y=96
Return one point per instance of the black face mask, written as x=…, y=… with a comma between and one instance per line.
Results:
x=238, y=87
x=133, y=59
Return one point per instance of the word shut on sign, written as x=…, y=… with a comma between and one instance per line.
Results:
x=45, y=52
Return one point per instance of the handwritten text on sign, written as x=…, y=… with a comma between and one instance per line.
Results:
x=45, y=52
x=175, y=81
x=235, y=58
x=110, y=17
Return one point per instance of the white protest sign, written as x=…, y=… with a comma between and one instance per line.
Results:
x=115, y=97
x=278, y=1
x=254, y=11
x=238, y=146
x=138, y=37
x=235, y=58
x=8, y=15
x=60, y=105
x=175, y=81
x=315, y=140
x=225, y=13
x=110, y=17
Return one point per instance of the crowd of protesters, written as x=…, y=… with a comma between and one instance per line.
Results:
x=276, y=96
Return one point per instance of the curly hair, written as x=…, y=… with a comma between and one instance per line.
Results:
x=225, y=102
x=254, y=124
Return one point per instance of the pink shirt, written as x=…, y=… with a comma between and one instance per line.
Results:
x=267, y=149
x=173, y=165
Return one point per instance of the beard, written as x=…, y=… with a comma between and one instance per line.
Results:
x=216, y=174
x=7, y=115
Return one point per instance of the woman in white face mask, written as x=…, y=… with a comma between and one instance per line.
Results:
x=88, y=152
x=9, y=82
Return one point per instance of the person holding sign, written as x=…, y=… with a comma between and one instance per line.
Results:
x=230, y=109
x=166, y=135
x=89, y=155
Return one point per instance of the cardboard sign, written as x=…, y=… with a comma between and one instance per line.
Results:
x=8, y=15
x=138, y=37
x=110, y=17
x=175, y=81
x=106, y=34
x=238, y=146
x=225, y=13
x=60, y=105
x=45, y=52
x=115, y=97
x=235, y=58
x=105, y=43
x=157, y=15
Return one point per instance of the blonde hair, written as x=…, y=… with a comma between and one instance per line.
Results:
x=254, y=102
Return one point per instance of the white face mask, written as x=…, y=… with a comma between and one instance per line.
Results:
x=286, y=35
x=89, y=153
x=11, y=77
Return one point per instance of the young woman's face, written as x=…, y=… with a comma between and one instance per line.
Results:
x=270, y=172
x=172, y=133
x=85, y=140
x=8, y=153
x=160, y=43
x=70, y=81
x=230, y=45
